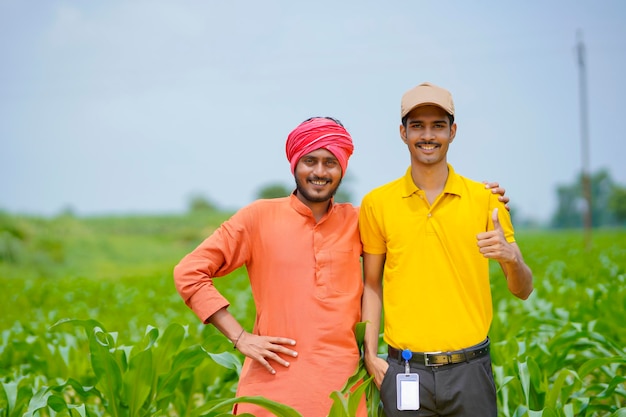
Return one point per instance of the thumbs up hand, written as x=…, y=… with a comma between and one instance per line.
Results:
x=496, y=220
x=492, y=243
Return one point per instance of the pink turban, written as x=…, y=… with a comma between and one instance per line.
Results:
x=319, y=133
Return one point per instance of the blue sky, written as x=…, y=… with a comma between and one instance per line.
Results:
x=135, y=106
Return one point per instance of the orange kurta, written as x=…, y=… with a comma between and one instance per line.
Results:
x=307, y=284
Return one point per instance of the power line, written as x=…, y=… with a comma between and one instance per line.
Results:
x=584, y=139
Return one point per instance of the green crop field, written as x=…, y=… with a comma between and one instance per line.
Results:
x=91, y=324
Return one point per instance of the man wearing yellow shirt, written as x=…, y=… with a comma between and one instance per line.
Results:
x=427, y=239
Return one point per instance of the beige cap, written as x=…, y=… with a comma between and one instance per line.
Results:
x=424, y=94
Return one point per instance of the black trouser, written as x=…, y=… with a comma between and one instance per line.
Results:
x=462, y=389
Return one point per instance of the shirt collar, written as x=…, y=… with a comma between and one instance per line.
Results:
x=453, y=183
x=304, y=210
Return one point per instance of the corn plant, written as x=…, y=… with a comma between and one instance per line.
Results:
x=560, y=353
x=154, y=377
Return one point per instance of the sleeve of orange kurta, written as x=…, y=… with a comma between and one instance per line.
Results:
x=221, y=253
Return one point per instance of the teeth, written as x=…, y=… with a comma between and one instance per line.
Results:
x=428, y=147
x=319, y=182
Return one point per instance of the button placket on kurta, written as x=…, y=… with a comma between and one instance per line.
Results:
x=322, y=259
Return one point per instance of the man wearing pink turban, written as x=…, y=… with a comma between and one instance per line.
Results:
x=316, y=133
x=302, y=253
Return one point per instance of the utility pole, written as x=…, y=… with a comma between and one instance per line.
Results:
x=584, y=136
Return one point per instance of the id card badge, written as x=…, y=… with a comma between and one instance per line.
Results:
x=408, y=386
x=408, y=391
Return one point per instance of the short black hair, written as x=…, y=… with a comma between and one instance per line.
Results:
x=450, y=116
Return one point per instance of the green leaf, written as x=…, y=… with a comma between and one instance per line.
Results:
x=339, y=407
x=619, y=413
x=150, y=338
x=227, y=360
x=355, y=396
x=107, y=369
x=167, y=347
x=46, y=398
x=23, y=395
x=547, y=412
x=359, y=333
x=211, y=408
x=552, y=399
x=138, y=381
x=188, y=358
x=525, y=381
x=593, y=364
x=83, y=391
x=89, y=325
x=615, y=383
x=38, y=402
x=359, y=375
x=10, y=393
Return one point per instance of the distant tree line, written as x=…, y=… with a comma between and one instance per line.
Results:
x=608, y=203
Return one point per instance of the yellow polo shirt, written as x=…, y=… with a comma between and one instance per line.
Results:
x=436, y=291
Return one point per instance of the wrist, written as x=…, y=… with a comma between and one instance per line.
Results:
x=236, y=340
x=370, y=355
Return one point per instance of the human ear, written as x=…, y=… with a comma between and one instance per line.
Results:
x=452, y=132
x=403, y=133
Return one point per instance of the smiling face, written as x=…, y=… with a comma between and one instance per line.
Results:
x=428, y=134
x=318, y=175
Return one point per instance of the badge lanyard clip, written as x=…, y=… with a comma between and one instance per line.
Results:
x=407, y=355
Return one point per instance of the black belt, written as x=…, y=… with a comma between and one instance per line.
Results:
x=443, y=358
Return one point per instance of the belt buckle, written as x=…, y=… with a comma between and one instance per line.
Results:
x=427, y=359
